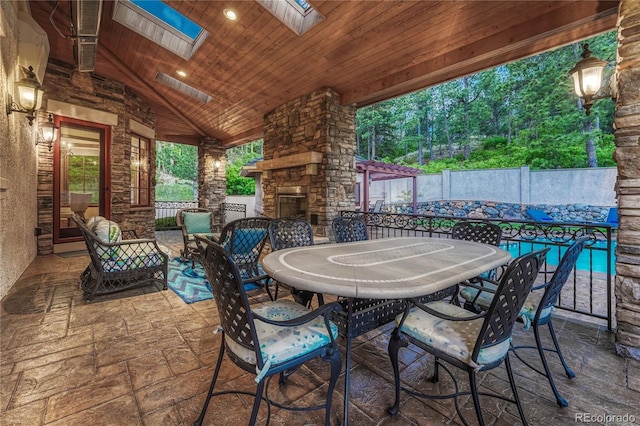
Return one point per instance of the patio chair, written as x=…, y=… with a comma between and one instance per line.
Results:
x=265, y=340
x=536, y=311
x=539, y=215
x=359, y=316
x=293, y=232
x=118, y=264
x=347, y=229
x=194, y=221
x=245, y=239
x=471, y=342
x=479, y=232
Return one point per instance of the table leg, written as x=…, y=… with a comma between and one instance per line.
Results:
x=347, y=372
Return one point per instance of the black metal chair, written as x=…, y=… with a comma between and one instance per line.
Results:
x=479, y=232
x=536, y=311
x=471, y=342
x=359, y=316
x=245, y=239
x=347, y=229
x=288, y=233
x=265, y=340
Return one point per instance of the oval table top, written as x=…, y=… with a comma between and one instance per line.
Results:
x=389, y=268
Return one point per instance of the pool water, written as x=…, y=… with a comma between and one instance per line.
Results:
x=597, y=256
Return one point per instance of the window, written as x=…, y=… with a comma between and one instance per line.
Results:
x=161, y=24
x=140, y=187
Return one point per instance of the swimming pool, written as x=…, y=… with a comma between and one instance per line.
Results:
x=594, y=255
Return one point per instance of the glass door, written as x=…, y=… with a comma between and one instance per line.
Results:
x=80, y=181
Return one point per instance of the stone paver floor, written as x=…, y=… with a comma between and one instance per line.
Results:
x=144, y=357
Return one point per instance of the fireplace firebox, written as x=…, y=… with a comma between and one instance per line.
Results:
x=292, y=202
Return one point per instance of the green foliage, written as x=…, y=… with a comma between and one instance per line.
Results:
x=236, y=158
x=521, y=113
x=177, y=160
x=175, y=192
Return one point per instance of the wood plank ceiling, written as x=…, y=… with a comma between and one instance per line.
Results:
x=367, y=51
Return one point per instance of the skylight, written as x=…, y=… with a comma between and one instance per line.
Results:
x=180, y=86
x=298, y=15
x=161, y=24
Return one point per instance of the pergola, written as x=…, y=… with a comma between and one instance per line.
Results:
x=378, y=170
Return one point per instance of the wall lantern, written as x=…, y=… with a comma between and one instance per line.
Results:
x=29, y=93
x=587, y=78
x=216, y=164
x=49, y=132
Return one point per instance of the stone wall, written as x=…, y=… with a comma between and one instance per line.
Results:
x=212, y=183
x=64, y=84
x=312, y=123
x=627, y=155
x=478, y=209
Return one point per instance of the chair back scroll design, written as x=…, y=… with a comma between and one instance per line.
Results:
x=348, y=229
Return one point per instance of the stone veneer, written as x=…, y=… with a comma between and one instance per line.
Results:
x=63, y=83
x=627, y=155
x=315, y=122
x=212, y=182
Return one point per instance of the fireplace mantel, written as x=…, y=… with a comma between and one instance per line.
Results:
x=310, y=159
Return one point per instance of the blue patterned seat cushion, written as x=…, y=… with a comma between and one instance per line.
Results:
x=281, y=344
x=455, y=338
x=528, y=311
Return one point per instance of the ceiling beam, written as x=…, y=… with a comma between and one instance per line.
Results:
x=122, y=67
x=244, y=137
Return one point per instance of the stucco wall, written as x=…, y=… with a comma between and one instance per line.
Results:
x=17, y=164
x=519, y=186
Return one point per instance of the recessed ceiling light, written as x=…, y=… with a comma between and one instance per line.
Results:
x=230, y=14
x=181, y=73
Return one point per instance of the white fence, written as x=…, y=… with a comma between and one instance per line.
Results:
x=594, y=186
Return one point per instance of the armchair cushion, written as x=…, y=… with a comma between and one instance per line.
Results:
x=455, y=338
x=197, y=223
x=280, y=344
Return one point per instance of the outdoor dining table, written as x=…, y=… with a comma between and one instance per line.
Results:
x=388, y=268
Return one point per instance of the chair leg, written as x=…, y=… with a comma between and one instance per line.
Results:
x=333, y=357
x=516, y=398
x=567, y=370
x=436, y=372
x=474, y=393
x=395, y=343
x=536, y=332
x=212, y=386
x=256, y=403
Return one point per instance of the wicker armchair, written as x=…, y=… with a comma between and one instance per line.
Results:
x=471, y=342
x=192, y=221
x=118, y=264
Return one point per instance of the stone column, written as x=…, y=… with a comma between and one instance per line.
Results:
x=627, y=155
x=212, y=181
x=318, y=123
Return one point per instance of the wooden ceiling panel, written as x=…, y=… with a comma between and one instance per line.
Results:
x=367, y=51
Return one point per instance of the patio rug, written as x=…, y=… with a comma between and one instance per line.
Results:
x=191, y=283
x=187, y=282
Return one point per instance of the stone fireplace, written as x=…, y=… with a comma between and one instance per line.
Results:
x=308, y=169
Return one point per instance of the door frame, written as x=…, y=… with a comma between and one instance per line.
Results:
x=105, y=174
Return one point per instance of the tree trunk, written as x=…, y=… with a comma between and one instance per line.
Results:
x=592, y=159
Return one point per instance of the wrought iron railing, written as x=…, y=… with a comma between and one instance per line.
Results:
x=166, y=213
x=589, y=290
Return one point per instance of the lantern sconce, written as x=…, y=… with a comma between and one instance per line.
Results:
x=587, y=79
x=217, y=164
x=29, y=95
x=49, y=133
